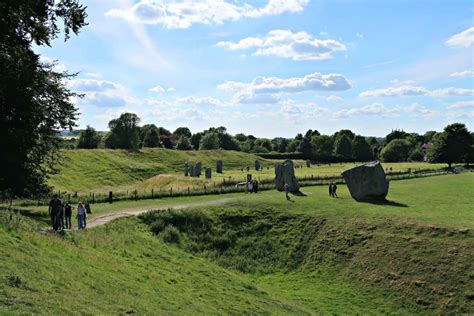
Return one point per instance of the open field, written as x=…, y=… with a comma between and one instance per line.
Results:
x=254, y=254
x=102, y=170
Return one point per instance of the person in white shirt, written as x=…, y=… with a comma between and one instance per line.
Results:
x=81, y=216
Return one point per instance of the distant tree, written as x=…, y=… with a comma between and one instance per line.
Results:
x=184, y=143
x=323, y=147
x=299, y=137
x=182, y=131
x=395, y=134
x=346, y=132
x=209, y=141
x=145, y=128
x=248, y=145
x=260, y=149
x=163, y=131
x=151, y=138
x=35, y=100
x=293, y=145
x=264, y=142
x=343, y=147
x=228, y=142
x=395, y=151
x=241, y=137
x=124, y=132
x=283, y=145
x=251, y=137
x=372, y=141
x=167, y=141
x=453, y=145
x=89, y=138
x=306, y=148
x=416, y=155
x=310, y=133
x=196, y=140
x=361, y=150
x=428, y=136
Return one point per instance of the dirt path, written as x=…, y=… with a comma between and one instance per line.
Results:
x=104, y=219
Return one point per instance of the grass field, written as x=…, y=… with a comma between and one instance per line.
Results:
x=257, y=254
x=102, y=170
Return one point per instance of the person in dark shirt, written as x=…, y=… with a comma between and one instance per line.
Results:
x=68, y=215
x=334, y=189
x=54, y=210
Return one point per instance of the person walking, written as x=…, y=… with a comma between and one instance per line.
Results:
x=334, y=189
x=287, y=191
x=68, y=215
x=81, y=214
x=54, y=209
x=330, y=189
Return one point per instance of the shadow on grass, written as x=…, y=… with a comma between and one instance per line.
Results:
x=299, y=193
x=385, y=203
x=40, y=217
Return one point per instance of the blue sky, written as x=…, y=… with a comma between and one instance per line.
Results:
x=275, y=67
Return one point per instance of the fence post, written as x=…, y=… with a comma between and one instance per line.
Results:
x=189, y=191
x=93, y=197
x=152, y=193
x=171, y=191
x=205, y=191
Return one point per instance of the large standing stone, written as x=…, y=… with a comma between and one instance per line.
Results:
x=191, y=171
x=197, y=169
x=219, y=166
x=367, y=182
x=208, y=173
x=186, y=169
x=285, y=174
x=257, y=165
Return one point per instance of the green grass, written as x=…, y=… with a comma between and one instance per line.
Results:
x=102, y=170
x=255, y=254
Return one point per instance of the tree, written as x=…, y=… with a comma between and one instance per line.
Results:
x=264, y=143
x=343, y=147
x=151, y=138
x=361, y=150
x=346, y=132
x=306, y=148
x=209, y=141
x=283, y=145
x=89, y=138
x=167, y=141
x=144, y=130
x=293, y=145
x=395, y=151
x=182, y=131
x=248, y=145
x=124, y=132
x=34, y=98
x=395, y=134
x=428, y=136
x=416, y=155
x=184, y=143
x=228, y=142
x=323, y=147
x=453, y=145
x=241, y=137
x=196, y=140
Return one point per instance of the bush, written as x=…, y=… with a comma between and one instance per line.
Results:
x=171, y=235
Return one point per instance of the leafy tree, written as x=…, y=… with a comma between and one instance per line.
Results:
x=89, y=138
x=395, y=134
x=144, y=130
x=34, y=98
x=241, y=137
x=184, y=143
x=251, y=137
x=248, y=145
x=182, y=131
x=299, y=137
x=428, y=136
x=167, y=141
x=395, y=151
x=323, y=147
x=265, y=143
x=306, y=148
x=453, y=145
x=283, y=145
x=310, y=133
x=343, y=147
x=124, y=132
x=228, y=142
x=260, y=149
x=196, y=140
x=152, y=139
x=416, y=155
x=346, y=132
x=163, y=131
x=209, y=141
x=293, y=145
x=361, y=150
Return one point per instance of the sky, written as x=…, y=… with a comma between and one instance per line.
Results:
x=274, y=68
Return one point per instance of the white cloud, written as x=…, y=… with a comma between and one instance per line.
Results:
x=87, y=85
x=416, y=91
x=465, y=73
x=377, y=109
x=420, y=110
x=360, y=35
x=183, y=14
x=463, y=39
x=171, y=89
x=93, y=74
x=462, y=104
x=101, y=93
x=57, y=66
x=199, y=100
x=263, y=89
x=334, y=98
x=157, y=89
x=286, y=44
x=404, y=82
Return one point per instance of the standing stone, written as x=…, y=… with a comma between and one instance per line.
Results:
x=367, y=182
x=197, y=169
x=191, y=171
x=208, y=173
x=257, y=165
x=285, y=174
x=186, y=169
x=219, y=166
x=308, y=163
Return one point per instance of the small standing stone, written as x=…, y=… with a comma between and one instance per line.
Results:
x=219, y=166
x=308, y=163
x=208, y=173
x=186, y=169
x=198, y=169
x=257, y=165
x=191, y=171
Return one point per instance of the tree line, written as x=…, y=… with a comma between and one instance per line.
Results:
x=453, y=145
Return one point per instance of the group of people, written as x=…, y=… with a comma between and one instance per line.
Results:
x=61, y=214
x=332, y=190
x=252, y=186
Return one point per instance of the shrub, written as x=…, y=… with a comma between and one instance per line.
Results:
x=170, y=235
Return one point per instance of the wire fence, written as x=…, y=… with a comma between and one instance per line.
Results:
x=224, y=187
